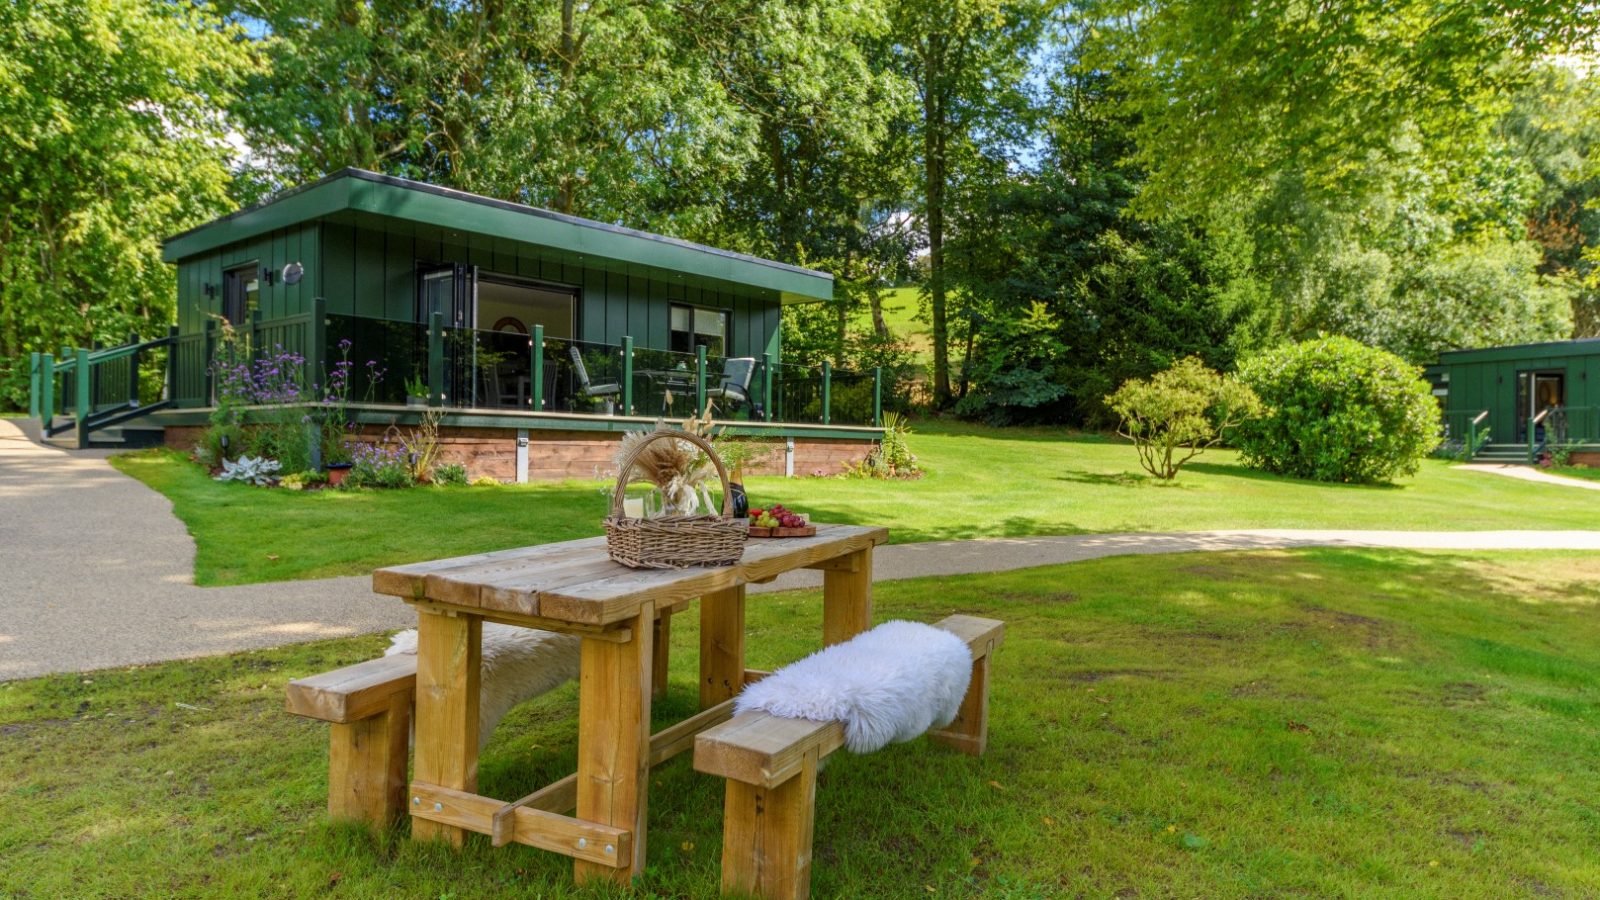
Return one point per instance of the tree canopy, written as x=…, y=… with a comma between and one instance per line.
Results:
x=1083, y=192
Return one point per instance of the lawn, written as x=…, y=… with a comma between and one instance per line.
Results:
x=1325, y=722
x=981, y=482
x=1588, y=472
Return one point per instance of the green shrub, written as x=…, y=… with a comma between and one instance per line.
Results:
x=892, y=457
x=1338, y=410
x=1175, y=415
x=450, y=474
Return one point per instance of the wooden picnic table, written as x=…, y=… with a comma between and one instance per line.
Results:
x=573, y=587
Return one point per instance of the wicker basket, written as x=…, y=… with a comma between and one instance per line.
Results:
x=674, y=542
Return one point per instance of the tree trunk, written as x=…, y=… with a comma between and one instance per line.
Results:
x=934, y=125
x=875, y=301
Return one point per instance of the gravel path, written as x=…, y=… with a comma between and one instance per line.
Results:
x=95, y=570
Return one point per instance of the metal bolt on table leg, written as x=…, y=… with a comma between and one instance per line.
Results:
x=438, y=807
x=416, y=801
x=610, y=849
x=582, y=843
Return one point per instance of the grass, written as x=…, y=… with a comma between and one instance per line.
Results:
x=901, y=309
x=1590, y=473
x=1324, y=722
x=981, y=482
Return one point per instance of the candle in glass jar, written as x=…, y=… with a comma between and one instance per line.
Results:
x=633, y=507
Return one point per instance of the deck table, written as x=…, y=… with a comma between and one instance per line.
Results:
x=573, y=587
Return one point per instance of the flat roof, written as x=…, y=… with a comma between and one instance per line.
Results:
x=350, y=191
x=1538, y=350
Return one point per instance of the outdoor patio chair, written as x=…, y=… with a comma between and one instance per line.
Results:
x=735, y=383
x=587, y=388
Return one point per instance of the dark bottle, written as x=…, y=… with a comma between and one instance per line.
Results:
x=741, y=501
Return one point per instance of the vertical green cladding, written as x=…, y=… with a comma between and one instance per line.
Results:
x=1487, y=379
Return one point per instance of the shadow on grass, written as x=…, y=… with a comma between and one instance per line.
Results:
x=1232, y=470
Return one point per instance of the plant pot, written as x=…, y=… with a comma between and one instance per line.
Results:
x=415, y=402
x=336, y=473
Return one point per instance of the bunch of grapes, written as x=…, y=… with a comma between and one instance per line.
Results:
x=775, y=516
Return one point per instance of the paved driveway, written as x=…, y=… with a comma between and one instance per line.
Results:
x=95, y=571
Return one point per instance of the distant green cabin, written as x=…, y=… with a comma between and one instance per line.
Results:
x=1544, y=393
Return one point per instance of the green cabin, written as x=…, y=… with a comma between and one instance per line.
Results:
x=504, y=316
x=1526, y=396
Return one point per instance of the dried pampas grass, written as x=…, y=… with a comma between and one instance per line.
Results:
x=677, y=468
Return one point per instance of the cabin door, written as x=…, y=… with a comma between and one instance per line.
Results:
x=1537, y=392
x=451, y=290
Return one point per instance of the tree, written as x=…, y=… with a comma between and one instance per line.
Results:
x=1178, y=414
x=1226, y=96
x=969, y=61
x=109, y=113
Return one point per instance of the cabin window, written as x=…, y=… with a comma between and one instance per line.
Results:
x=241, y=294
x=697, y=326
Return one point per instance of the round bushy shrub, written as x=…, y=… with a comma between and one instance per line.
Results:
x=1338, y=410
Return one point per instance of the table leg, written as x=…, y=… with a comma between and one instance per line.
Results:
x=660, y=654
x=721, y=646
x=448, y=651
x=614, y=740
x=847, y=597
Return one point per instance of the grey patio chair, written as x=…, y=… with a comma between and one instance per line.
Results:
x=587, y=388
x=735, y=383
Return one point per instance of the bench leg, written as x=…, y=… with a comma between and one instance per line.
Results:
x=661, y=642
x=766, y=836
x=721, y=646
x=614, y=742
x=969, y=733
x=367, y=765
x=449, y=650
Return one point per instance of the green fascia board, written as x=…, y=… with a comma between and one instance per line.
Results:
x=416, y=202
x=304, y=204
x=1531, y=353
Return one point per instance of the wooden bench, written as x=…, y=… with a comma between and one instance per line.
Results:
x=368, y=708
x=770, y=764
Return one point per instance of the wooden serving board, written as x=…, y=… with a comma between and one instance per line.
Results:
x=802, y=531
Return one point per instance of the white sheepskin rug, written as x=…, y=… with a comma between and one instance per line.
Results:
x=886, y=685
x=518, y=664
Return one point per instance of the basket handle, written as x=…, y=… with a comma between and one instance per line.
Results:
x=625, y=467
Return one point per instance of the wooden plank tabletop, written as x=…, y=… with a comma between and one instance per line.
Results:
x=574, y=581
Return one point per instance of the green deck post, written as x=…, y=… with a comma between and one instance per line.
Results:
x=47, y=391
x=536, y=351
x=627, y=375
x=827, y=392
x=33, y=384
x=877, y=396
x=436, y=358
x=766, y=387
x=700, y=379
x=66, y=395
x=80, y=384
x=317, y=347
x=172, y=363
x=133, y=370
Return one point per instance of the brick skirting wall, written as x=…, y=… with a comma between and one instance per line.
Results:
x=555, y=455
x=1586, y=457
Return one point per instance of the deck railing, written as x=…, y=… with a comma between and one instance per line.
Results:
x=1464, y=431
x=458, y=368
